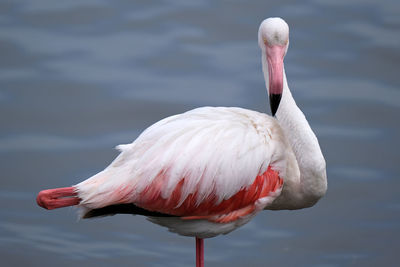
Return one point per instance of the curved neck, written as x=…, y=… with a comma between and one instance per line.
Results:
x=312, y=184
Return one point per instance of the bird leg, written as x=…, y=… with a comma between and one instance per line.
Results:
x=199, y=252
x=57, y=198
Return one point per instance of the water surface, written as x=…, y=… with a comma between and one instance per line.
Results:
x=80, y=77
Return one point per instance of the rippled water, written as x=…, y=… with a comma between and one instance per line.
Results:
x=79, y=77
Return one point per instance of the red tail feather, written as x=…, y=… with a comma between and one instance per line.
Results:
x=57, y=198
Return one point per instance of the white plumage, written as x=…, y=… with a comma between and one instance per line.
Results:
x=240, y=144
x=210, y=170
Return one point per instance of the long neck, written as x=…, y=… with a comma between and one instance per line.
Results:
x=304, y=143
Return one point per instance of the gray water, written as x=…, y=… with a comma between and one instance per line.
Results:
x=79, y=77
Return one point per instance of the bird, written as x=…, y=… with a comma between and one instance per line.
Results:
x=210, y=170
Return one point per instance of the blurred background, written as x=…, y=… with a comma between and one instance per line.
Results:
x=80, y=77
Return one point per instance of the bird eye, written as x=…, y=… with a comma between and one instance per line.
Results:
x=265, y=40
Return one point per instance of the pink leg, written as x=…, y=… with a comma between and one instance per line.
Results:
x=199, y=252
x=57, y=198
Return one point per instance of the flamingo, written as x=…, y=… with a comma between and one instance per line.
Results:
x=210, y=170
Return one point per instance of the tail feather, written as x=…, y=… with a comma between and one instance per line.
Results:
x=67, y=196
x=57, y=198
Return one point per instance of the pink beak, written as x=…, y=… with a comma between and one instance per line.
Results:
x=275, y=55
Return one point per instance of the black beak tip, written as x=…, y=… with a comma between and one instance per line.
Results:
x=274, y=100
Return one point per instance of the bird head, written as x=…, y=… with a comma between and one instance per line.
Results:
x=273, y=39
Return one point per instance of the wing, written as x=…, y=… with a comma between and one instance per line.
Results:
x=203, y=162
